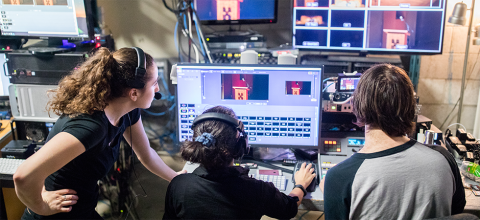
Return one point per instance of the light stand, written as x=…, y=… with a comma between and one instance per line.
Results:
x=458, y=17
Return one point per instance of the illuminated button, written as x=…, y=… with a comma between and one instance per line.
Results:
x=330, y=142
x=326, y=142
x=339, y=150
x=334, y=142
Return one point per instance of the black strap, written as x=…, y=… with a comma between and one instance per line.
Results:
x=302, y=188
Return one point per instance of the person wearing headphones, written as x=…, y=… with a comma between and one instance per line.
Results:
x=219, y=190
x=99, y=104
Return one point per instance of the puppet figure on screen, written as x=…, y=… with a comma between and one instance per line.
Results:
x=310, y=20
x=51, y=2
x=228, y=9
x=298, y=88
x=245, y=86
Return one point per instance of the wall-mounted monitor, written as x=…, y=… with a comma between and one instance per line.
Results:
x=46, y=18
x=369, y=26
x=236, y=11
x=279, y=105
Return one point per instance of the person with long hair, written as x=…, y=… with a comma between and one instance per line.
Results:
x=98, y=107
x=219, y=190
x=392, y=176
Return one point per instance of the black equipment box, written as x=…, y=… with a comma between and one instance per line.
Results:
x=26, y=68
x=18, y=149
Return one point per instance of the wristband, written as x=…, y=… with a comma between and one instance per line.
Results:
x=302, y=188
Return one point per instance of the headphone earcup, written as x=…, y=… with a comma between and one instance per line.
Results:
x=240, y=148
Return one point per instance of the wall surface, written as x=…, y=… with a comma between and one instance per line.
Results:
x=441, y=75
x=149, y=25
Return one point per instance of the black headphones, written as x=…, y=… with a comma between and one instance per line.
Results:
x=241, y=146
x=140, y=71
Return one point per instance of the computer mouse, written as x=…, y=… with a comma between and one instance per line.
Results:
x=314, y=183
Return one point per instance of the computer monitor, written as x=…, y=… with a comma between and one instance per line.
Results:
x=236, y=11
x=279, y=105
x=370, y=26
x=46, y=18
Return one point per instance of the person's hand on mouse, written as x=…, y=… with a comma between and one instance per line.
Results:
x=305, y=175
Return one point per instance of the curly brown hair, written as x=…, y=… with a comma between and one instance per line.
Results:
x=221, y=153
x=95, y=82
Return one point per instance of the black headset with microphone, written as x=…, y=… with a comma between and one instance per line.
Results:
x=241, y=147
x=140, y=71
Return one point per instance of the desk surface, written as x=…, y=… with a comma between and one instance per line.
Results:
x=6, y=129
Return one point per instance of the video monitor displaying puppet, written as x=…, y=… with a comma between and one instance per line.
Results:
x=390, y=26
x=236, y=11
x=245, y=86
x=298, y=87
x=279, y=105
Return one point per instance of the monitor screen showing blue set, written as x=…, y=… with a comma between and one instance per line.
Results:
x=279, y=105
x=215, y=10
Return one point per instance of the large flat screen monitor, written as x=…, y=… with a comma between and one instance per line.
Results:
x=279, y=105
x=236, y=11
x=45, y=18
x=371, y=26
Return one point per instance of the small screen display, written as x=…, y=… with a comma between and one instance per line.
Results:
x=348, y=84
x=356, y=142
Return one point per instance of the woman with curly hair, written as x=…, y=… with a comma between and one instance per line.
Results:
x=219, y=190
x=97, y=105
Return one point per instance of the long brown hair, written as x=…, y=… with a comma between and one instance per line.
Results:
x=98, y=80
x=384, y=99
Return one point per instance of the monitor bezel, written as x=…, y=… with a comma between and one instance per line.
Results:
x=365, y=51
x=244, y=21
x=90, y=18
x=319, y=125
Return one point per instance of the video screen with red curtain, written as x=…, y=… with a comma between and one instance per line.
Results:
x=245, y=86
x=298, y=88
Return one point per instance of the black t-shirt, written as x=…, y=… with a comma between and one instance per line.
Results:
x=225, y=194
x=101, y=140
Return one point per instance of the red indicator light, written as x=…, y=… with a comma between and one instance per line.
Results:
x=97, y=45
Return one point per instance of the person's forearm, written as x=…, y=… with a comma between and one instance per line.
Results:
x=298, y=193
x=29, y=191
x=156, y=165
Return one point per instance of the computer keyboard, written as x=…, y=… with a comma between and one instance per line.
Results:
x=280, y=182
x=256, y=126
x=9, y=166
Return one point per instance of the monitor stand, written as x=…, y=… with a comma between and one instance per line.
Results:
x=51, y=47
x=233, y=32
